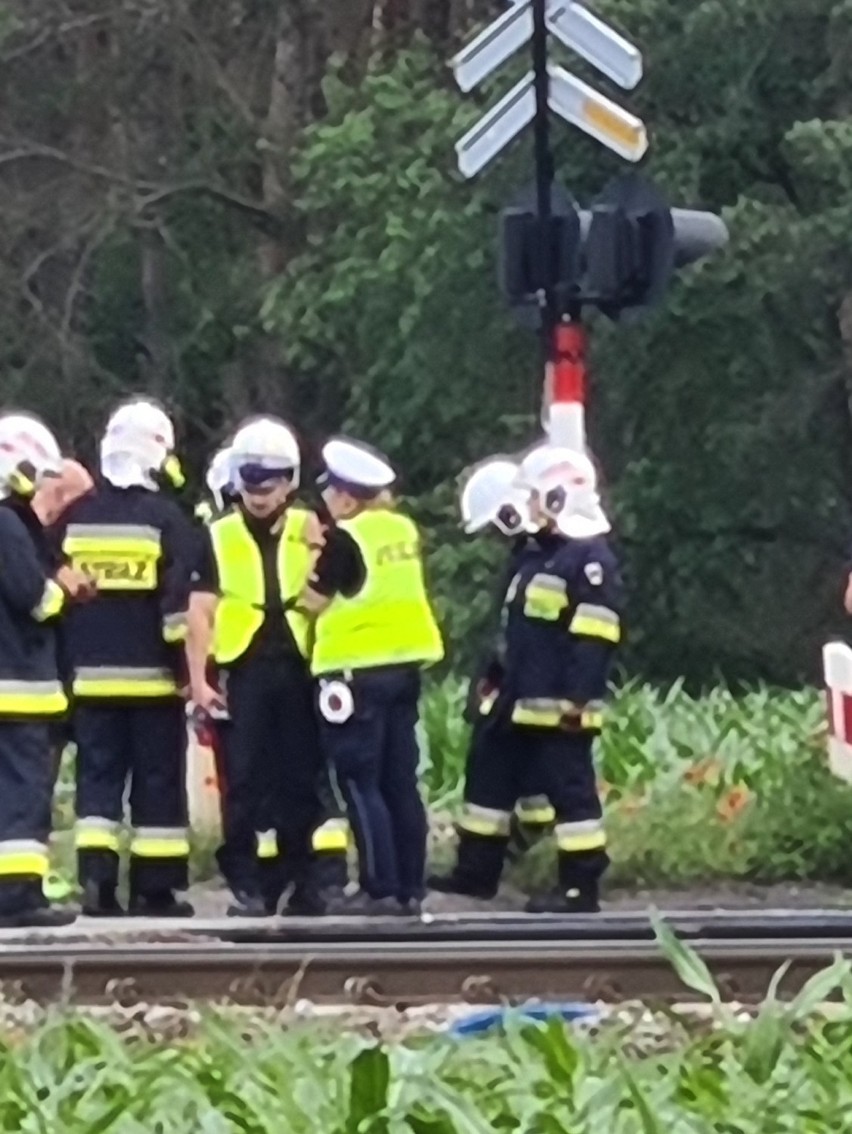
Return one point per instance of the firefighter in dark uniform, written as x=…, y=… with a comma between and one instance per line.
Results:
x=257, y=559
x=31, y=693
x=126, y=653
x=560, y=624
x=374, y=632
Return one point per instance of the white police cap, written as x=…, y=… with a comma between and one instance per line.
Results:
x=351, y=464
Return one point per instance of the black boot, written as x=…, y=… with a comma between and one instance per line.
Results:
x=479, y=864
x=306, y=901
x=32, y=910
x=161, y=903
x=577, y=892
x=99, y=900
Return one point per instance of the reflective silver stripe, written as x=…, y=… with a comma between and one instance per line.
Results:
x=29, y=688
x=167, y=833
x=122, y=673
x=175, y=621
x=549, y=583
x=485, y=820
x=9, y=847
x=545, y=705
x=581, y=827
x=51, y=601
x=113, y=531
x=98, y=823
x=599, y=613
x=333, y=825
x=534, y=802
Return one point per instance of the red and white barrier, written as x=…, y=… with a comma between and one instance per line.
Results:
x=837, y=668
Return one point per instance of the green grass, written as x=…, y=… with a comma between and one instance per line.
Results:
x=785, y=1070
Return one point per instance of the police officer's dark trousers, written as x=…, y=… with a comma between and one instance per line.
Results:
x=508, y=762
x=143, y=741
x=271, y=763
x=25, y=820
x=374, y=755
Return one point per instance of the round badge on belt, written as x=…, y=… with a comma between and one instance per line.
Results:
x=335, y=702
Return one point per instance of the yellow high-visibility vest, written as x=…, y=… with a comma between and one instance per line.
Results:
x=240, y=613
x=390, y=620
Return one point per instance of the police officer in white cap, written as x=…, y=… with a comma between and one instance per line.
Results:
x=374, y=631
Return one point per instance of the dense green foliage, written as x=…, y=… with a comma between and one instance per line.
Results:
x=242, y=206
x=786, y=1069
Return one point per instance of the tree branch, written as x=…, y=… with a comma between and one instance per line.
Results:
x=49, y=34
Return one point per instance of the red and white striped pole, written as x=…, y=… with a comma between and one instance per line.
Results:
x=565, y=387
x=837, y=669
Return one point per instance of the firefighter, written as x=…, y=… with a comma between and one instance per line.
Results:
x=374, y=631
x=126, y=651
x=31, y=694
x=560, y=625
x=257, y=559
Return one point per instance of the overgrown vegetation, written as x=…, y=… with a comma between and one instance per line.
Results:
x=784, y=1069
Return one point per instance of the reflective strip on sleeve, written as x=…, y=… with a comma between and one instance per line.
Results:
x=160, y=842
x=267, y=844
x=485, y=821
x=592, y=621
x=32, y=699
x=123, y=681
x=174, y=627
x=583, y=836
x=22, y=857
x=332, y=835
x=535, y=809
x=545, y=597
x=96, y=833
x=51, y=602
x=122, y=539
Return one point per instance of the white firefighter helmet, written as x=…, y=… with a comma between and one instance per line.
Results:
x=491, y=495
x=138, y=445
x=29, y=453
x=566, y=485
x=220, y=475
x=264, y=450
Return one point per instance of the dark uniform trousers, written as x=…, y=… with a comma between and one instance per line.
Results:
x=25, y=810
x=375, y=756
x=508, y=762
x=270, y=761
x=143, y=741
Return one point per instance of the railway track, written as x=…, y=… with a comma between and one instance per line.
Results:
x=473, y=960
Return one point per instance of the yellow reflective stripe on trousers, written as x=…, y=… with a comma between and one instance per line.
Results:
x=123, y=681
x=22, y=857
x=51, y=602
x=585, y=835
x=160, y=842
x=332, y=835
x=535, y=809
x=92, y=832
x=549, y=712
x=32, y=698
x=174, y=627
x=591, y=621
x=267, y=844
x=485, y=821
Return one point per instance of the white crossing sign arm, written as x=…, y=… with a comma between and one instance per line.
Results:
x=607, y=51
x=597, y=116
x=496, y=128
x=494, y=45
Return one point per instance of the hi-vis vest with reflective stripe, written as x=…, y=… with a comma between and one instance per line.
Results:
x=389, y=621
x=240, y=612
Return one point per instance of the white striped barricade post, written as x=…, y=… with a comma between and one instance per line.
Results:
x=837, y=670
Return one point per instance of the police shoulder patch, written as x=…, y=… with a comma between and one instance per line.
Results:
x=594, y=573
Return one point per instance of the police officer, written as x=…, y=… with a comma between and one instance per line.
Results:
x=374, y=631
x=126, y=654
x=561, y=623
x=31, y=694
x=258, y=557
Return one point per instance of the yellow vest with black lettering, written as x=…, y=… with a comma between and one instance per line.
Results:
x=240, y=613
x=390, y=620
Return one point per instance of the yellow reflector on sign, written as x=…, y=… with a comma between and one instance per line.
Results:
x=596, y=115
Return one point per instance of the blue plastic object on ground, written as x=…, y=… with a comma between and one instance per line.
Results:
x=481, y=1022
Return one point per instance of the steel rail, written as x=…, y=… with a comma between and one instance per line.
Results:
x=395, y=973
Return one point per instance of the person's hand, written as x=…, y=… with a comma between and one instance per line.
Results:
x=205, y=697
x=78, y=586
